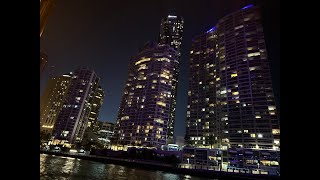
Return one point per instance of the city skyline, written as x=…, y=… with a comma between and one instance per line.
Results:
x=113, y=94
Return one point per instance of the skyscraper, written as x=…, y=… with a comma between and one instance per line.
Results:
x=96, y=102
x=52, y=100
x=171, y=29
x=230, y=98
x=144, y=115
x=74, y=115
x=45, y=8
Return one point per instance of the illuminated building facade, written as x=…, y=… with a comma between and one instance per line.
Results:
x=73, y=118
x=144, y=115
x=230, y=98
x=93, y=126
x=43, y=61
x=96, y=102
x=171, y=29
x=52, y=100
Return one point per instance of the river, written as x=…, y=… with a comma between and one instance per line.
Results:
x=66, y=168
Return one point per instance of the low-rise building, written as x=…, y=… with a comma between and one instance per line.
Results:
x=232, y=159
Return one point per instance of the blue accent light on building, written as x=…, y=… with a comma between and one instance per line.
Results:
x=212, y=29
x=246, y=7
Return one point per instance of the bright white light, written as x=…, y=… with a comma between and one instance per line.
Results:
x=260, y=136
x=73, y=150
x=169, y=16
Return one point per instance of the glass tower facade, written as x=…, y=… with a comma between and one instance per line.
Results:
x=52, y=100
x=230, y=98
x=144, y=116
x=74, y=116
x=171, y=29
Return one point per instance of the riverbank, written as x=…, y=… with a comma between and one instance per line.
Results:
x=221, y=175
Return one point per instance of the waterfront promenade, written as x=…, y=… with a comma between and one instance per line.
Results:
x=164, y=167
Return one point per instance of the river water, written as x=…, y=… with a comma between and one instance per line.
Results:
x=63, y=168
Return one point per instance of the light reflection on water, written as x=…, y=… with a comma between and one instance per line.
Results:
x=63, y=168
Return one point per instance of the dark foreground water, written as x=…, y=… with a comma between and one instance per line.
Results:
x=62, y=168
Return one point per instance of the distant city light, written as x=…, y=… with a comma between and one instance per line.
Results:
x=246, y=7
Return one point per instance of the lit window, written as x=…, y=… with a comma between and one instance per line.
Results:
x=254, y=54
x=260, y=135
x=203, y=109
x=234, y=75
x=252, y=135
x=276, y=141
x=275, y=131
x=142, y=60
x=159, y=121
x=161, y=103
x=235, y=93
x=238, y=27
x=125, y=118
x=271, y=108
x=258, y=116
x=245, y=131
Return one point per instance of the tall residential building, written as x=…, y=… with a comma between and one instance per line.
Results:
x=230, y=98
x=45, y=8
x=96, y=102
x=92, y=125
x=73, y=118
x=52, y=100
x=43, y=61
x=171, y=29
x=144, y=116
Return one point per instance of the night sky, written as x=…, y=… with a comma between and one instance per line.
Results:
x=104, y=34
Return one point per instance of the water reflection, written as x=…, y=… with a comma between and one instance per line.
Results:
x=63, y=168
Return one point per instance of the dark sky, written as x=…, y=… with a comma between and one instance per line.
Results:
x=103, y=34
